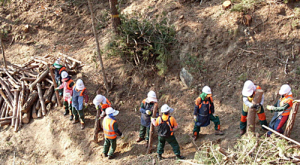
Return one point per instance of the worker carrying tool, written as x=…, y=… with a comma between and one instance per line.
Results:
x=58, y=68
x=166, y=126
x=67, y=86
x=111, y=131
x=146, y=110
x=248, y=95
x=204, y=113
x=281, y=108
x=80, y=98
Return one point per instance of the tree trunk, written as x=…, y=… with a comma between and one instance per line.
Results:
x=48, y=94
x=33, y=113
x=291, y=120
x=252, y=112
x=16, y=100
x=5, y=98
x=98, y=48
x=152, y=129
x=55, y=86
x=116, y=22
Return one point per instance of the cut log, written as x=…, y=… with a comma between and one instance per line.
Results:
x=6, y=88
x=38, y=105
x=70, y=58
x=252, y=112
x=7, y=118
x=48, y=94
x=6, y=122
x=33, y=112
x=3, y=109
x=14, y=84
x=155, y=107
x=26, y=117
x=39, y=79
x=53, y=99
x=18, y=122
x=16, y=96
x=5, y=98
x=291, y=120
x=32, y=98
x=226, y=4
x=27, y=79
x=55, y=86
x=40, y=93
x=39, y=113
x=247, y=19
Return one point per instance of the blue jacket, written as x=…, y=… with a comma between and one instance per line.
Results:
x=146, y=119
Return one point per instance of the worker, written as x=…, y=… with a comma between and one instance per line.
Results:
x=101, y=102
x=111, y=131
x=281, y=108
x=146, y=109
x=58, y=68
x=166, y=126
x=79, y=98
x=67, y=85
x=204, y=113
x=248, y=95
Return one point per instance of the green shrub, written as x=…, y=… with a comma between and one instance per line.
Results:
x=143, y=41
x=245, y=5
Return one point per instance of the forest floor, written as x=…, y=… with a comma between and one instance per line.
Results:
x=226, y=53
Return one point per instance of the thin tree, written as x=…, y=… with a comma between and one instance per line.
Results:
x=116, y=21
x=2, y=48
x=98, y=48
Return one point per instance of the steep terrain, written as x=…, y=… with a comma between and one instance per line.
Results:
x=213, y=44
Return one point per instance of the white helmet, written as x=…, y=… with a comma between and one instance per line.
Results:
x=79, y=84
x=248, y=88
x=110, y=110
x=285, y=89
x=57, y=63
x=165, y=108
x=206, y=90
x=64, y=74
x=98, y=99
x=151, y=97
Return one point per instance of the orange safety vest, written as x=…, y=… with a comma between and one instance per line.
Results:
x=104, y=106
x=62, y=69
x=199, y=102
x=68, y=84
x=287, y=99
x=108, y=128
x=168, y=122
x=81, y=93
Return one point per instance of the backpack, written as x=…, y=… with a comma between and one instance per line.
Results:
x=164, y=129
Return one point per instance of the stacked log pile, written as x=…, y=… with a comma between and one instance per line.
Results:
x=27, y=90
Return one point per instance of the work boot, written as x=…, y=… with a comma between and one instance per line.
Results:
x=75, y=121
x=82, y=125
x=242, y=132
x=71, y=117
x=219, y=132
x=66, y=112
x=111, y=156
x=140, y=139
x=159, y=156
x=104, y=155
x=180, y=157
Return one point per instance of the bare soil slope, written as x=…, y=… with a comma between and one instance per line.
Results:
x=213, y=45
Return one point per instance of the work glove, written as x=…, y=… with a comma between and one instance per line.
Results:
x=148, y=112
x=153, y=119
x=85, y=105
x=270, y=107
x=56, y=89
x=195, y=118
x=122, y=136
x=255, y=106
x=97, y=107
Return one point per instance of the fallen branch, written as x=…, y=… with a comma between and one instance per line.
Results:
x=289, y=139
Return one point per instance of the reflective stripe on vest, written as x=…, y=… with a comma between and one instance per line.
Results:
x=288, y=99
x=108, y=128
